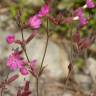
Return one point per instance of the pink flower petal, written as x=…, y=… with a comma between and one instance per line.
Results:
x=44, y=11
x=23, y=71
x=34, y=22
x=90, y=4
x=14, y=61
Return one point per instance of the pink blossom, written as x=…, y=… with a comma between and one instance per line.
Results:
x=44, y=11
x=23, y=71
x=34, y=22
x=10, y=39
x=80, y=14
x=83, y=21
x=14, y=61
x=90, y=4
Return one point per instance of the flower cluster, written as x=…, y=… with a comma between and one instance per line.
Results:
x=35, y=21
x=15, y=60
x=80, y=14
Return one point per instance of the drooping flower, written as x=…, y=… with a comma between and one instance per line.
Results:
x=10, y=39
x=14, y=61
x=90, y=4
x=44, y=11
x=34, y=22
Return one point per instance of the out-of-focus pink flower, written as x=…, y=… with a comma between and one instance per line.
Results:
x=14, y=61
x=83, y=21
x=90, y=4
x=34, y=22
x=10, y=39
x=23, y=71
x=79, y=13
x=44, y=11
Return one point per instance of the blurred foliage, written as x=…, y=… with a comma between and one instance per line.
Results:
x=14, y=8
x=80, y=63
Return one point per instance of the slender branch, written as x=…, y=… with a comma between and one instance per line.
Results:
x=24, y=47
x=71, y=59
x=42, y=62
x=37, y=86
x=21, y=25
x=2, y=91
x=3, y=86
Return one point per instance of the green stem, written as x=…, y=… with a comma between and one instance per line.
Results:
x=42, y=62
x=37, y=87
x=24, y=47
x=70, y=58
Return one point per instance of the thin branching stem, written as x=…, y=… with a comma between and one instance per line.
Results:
x=42, y=62
x=70, y=58
x=20, y=25
x=24, y=47
x=47, y=39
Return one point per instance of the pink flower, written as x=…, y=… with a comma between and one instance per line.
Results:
x=44, y=11
x=90, y=4
x=80, y=14
x=23, y=71
x=14, y=61
x=10, y=39
x=34, y=22
x=83, y=21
